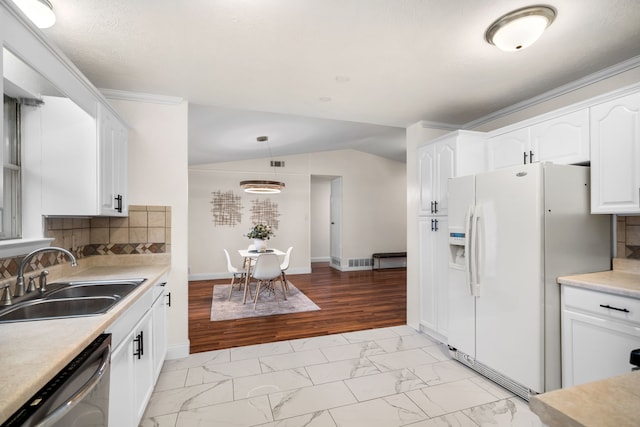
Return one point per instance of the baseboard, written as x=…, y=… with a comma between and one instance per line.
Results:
x=321, y=259
x=179, y=351
x=225, y=275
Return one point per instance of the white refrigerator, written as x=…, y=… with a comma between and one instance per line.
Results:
x=512, y=232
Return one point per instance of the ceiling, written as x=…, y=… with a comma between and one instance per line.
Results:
x=318, y=75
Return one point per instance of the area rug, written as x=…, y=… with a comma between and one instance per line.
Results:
x=223, y=309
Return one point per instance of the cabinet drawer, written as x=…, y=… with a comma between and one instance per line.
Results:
x=604, y=305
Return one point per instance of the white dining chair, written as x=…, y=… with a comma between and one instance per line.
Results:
x=266, y=270
x=284, y=266
x=238, y=275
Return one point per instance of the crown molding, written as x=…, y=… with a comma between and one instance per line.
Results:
x=439, y=125
x=596, y=77
x=124, y=95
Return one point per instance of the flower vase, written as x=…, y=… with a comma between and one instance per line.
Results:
x=261, y=245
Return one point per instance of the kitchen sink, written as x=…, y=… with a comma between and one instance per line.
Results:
x=40, y=309
x=92, y=288
x=70, y=299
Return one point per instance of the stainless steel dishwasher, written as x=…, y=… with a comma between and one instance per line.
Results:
x=78, y=396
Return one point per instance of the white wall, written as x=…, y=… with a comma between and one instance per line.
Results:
x=320, y=219
x=158, y=176
x=374, y=218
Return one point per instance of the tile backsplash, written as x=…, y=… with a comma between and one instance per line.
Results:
x=628, y=237
x=147, y=230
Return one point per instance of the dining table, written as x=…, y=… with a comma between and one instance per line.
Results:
x=249, y=256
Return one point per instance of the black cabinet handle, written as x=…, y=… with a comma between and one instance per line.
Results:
x=139, y=340
x=436, y=221
x=525, y=157
x=169, y=299
x=118, y=200
x=431, y=207
x=624, y=310
x=432, y=226
x=530, y=156
x=435, y=207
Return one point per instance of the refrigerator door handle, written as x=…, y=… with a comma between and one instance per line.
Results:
x=475, y=274
x=467, y=244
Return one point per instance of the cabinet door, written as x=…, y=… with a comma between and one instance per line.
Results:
x=563, y=140
x=121, y=386
x=69, y=185
x=159, y=334
x=426, y=178
x=427, y=262
x=509, y=149
x=143, y=364
x=615, y=156
x=113, y=164
x=595, y=348
x=434, y=263
x=446, y=168
x=441, y=275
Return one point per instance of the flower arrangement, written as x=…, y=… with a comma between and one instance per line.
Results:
x=260, y=231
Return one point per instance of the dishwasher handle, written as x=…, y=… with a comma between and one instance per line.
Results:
x=87, y=388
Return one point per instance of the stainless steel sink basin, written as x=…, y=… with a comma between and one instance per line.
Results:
x=91, y=289
x=41, y=309
x=70, y=299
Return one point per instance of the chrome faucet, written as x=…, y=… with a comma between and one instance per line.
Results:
x=20, y=281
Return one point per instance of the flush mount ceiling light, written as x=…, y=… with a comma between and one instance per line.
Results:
x=262, y=186
x=520, y=28
x=40, y=12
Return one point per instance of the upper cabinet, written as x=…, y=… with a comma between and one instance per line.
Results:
x=563, y=139
x=74, y=145
x=83, y=162
x=615, y=156
x=455, y=154
x=508, y=149
x=113, y=141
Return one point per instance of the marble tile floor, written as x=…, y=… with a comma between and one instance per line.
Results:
x=384, y=377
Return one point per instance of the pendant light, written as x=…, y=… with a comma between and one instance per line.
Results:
x=262, y=186
x=40, y=12
x=520, y=28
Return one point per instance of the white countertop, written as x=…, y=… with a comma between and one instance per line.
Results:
x=31, y=353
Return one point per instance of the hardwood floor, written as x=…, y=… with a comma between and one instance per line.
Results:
x=349, y=301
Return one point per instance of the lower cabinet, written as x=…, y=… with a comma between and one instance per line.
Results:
x=599, y=330
x=138, y=355
x=434, y=264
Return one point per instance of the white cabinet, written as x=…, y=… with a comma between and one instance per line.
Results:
x=599, y=330
x=113, y=163
x=159, y=310
x=83, y=160
x=615, y=156
x=508, y=149
x=563, y=140
x=434, y=263
x=455, y=154
x=139, y=341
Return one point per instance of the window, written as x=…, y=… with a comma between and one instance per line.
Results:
x=11, y=197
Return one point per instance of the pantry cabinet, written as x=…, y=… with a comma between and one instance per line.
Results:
x=615, y=162
x=455, y=154
x=599, y=330
x=563, y=140
x=434, y=262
